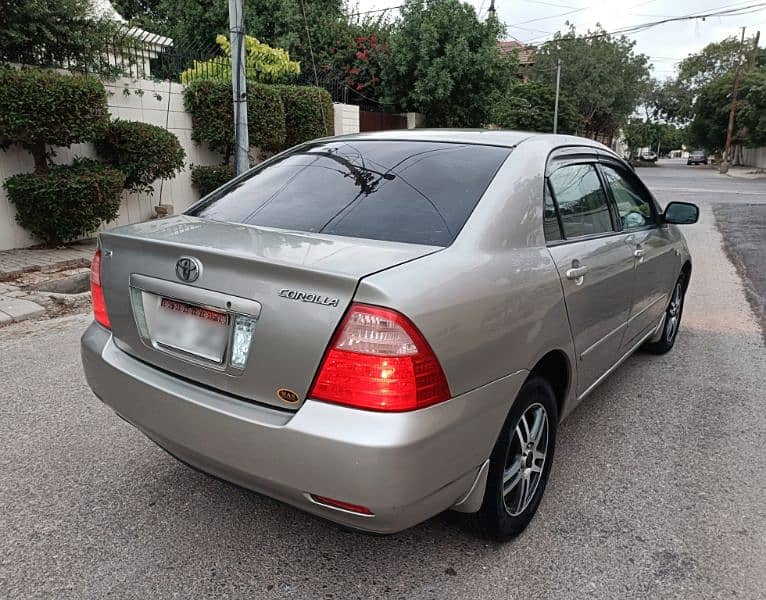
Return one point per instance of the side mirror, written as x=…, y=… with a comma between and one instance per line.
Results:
x=681, y=213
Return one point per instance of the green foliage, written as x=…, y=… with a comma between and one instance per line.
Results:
x=66, y=202
x=711, y=111
x=54, y=33
x=39, y=108
x=308, y=113
x=357, y=57
x=641, y=133
x=530, y=106
x=600, y=72
x=208, y=178
x=445, y=62
x=263, y=63
x=210, y=104
x=195, y=23
x=673, y=100
x=141, y=151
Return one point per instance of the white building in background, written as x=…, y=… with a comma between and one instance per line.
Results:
x=134, y=48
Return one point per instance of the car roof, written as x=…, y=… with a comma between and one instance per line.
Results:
x=495, y=137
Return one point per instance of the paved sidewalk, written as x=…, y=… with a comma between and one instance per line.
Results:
x=15, y=302
x=16, y=262
x=746, y=172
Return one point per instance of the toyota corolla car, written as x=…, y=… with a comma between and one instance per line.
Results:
x=380, y=327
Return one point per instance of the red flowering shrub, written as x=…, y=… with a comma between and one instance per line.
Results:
x=359, y=61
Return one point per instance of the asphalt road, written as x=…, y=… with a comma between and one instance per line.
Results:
x=657, y=491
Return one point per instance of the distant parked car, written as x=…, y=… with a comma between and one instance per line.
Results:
x=698, y=157
x=649, y=156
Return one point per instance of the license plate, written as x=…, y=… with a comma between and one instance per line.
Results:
x=192, y=329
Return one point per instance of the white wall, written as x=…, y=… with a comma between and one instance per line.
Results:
x=754, y=157
x=346, y=118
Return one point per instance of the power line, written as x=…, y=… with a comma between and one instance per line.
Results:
x=727, y=12
x=377, y=10
x=569, y=12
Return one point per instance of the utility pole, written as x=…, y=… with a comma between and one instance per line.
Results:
x=556, y=105
x=732, y=113
x=239, y=87
x=754, y=53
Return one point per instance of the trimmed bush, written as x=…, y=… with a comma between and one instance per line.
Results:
x=67, y=201
x=141, y=151
x=210, y=104
x=206, y=179
x=39, y=108
x=308, y=113
x=265, y=117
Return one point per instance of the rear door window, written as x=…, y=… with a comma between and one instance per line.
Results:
x=400, y=191
x=581, y=201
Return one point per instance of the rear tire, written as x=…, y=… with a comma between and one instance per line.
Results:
x=520, y=463
x=672, y=322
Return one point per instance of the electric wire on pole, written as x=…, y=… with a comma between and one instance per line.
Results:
x=733, y=112
x=238, y=85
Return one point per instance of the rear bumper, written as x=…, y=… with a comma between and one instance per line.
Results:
x=404, y=467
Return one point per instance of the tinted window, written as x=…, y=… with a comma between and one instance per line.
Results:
x=633, y=205
x=550, y=220
x=402, y=191
x=582, y=201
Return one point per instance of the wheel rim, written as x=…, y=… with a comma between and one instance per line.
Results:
x=525, y=462
x=674, y=313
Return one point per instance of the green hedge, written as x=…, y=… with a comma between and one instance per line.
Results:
x=141, y=151
x=279, y=116
x=210, y=104
x=308, y=113
x=68, y=201
x=206, y=179
x=41, y=108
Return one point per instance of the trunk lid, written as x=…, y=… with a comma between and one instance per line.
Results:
x=294, y=286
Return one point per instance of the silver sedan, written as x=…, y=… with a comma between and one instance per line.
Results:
x=380, y=327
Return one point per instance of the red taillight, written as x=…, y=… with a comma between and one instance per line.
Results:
x=378, y=360
x=96, y=293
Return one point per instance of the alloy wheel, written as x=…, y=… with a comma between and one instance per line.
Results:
x=526, y=459
x=674, y=313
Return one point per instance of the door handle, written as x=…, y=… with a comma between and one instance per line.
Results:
x=577, y=273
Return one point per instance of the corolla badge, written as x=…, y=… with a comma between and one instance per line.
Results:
x=188, y=269
x=309, y=297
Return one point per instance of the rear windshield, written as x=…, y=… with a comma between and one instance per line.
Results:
x=399, y=191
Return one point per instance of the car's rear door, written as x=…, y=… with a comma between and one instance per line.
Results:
x=656, y=261
x=594, y=262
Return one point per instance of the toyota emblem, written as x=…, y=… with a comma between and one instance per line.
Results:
x=188, y=269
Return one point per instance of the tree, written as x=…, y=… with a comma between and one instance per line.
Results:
x=54, y=33
x=194, y=24
x=445, y=63
x=263, y=63
x=674, y=99
x=40, y=109
x=600, y=72
x=530, y=106
x=711, y=111
x=641, y=133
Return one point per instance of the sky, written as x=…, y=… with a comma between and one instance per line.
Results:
x=534, y=21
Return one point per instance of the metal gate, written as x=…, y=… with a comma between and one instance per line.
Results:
x=381, y=121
